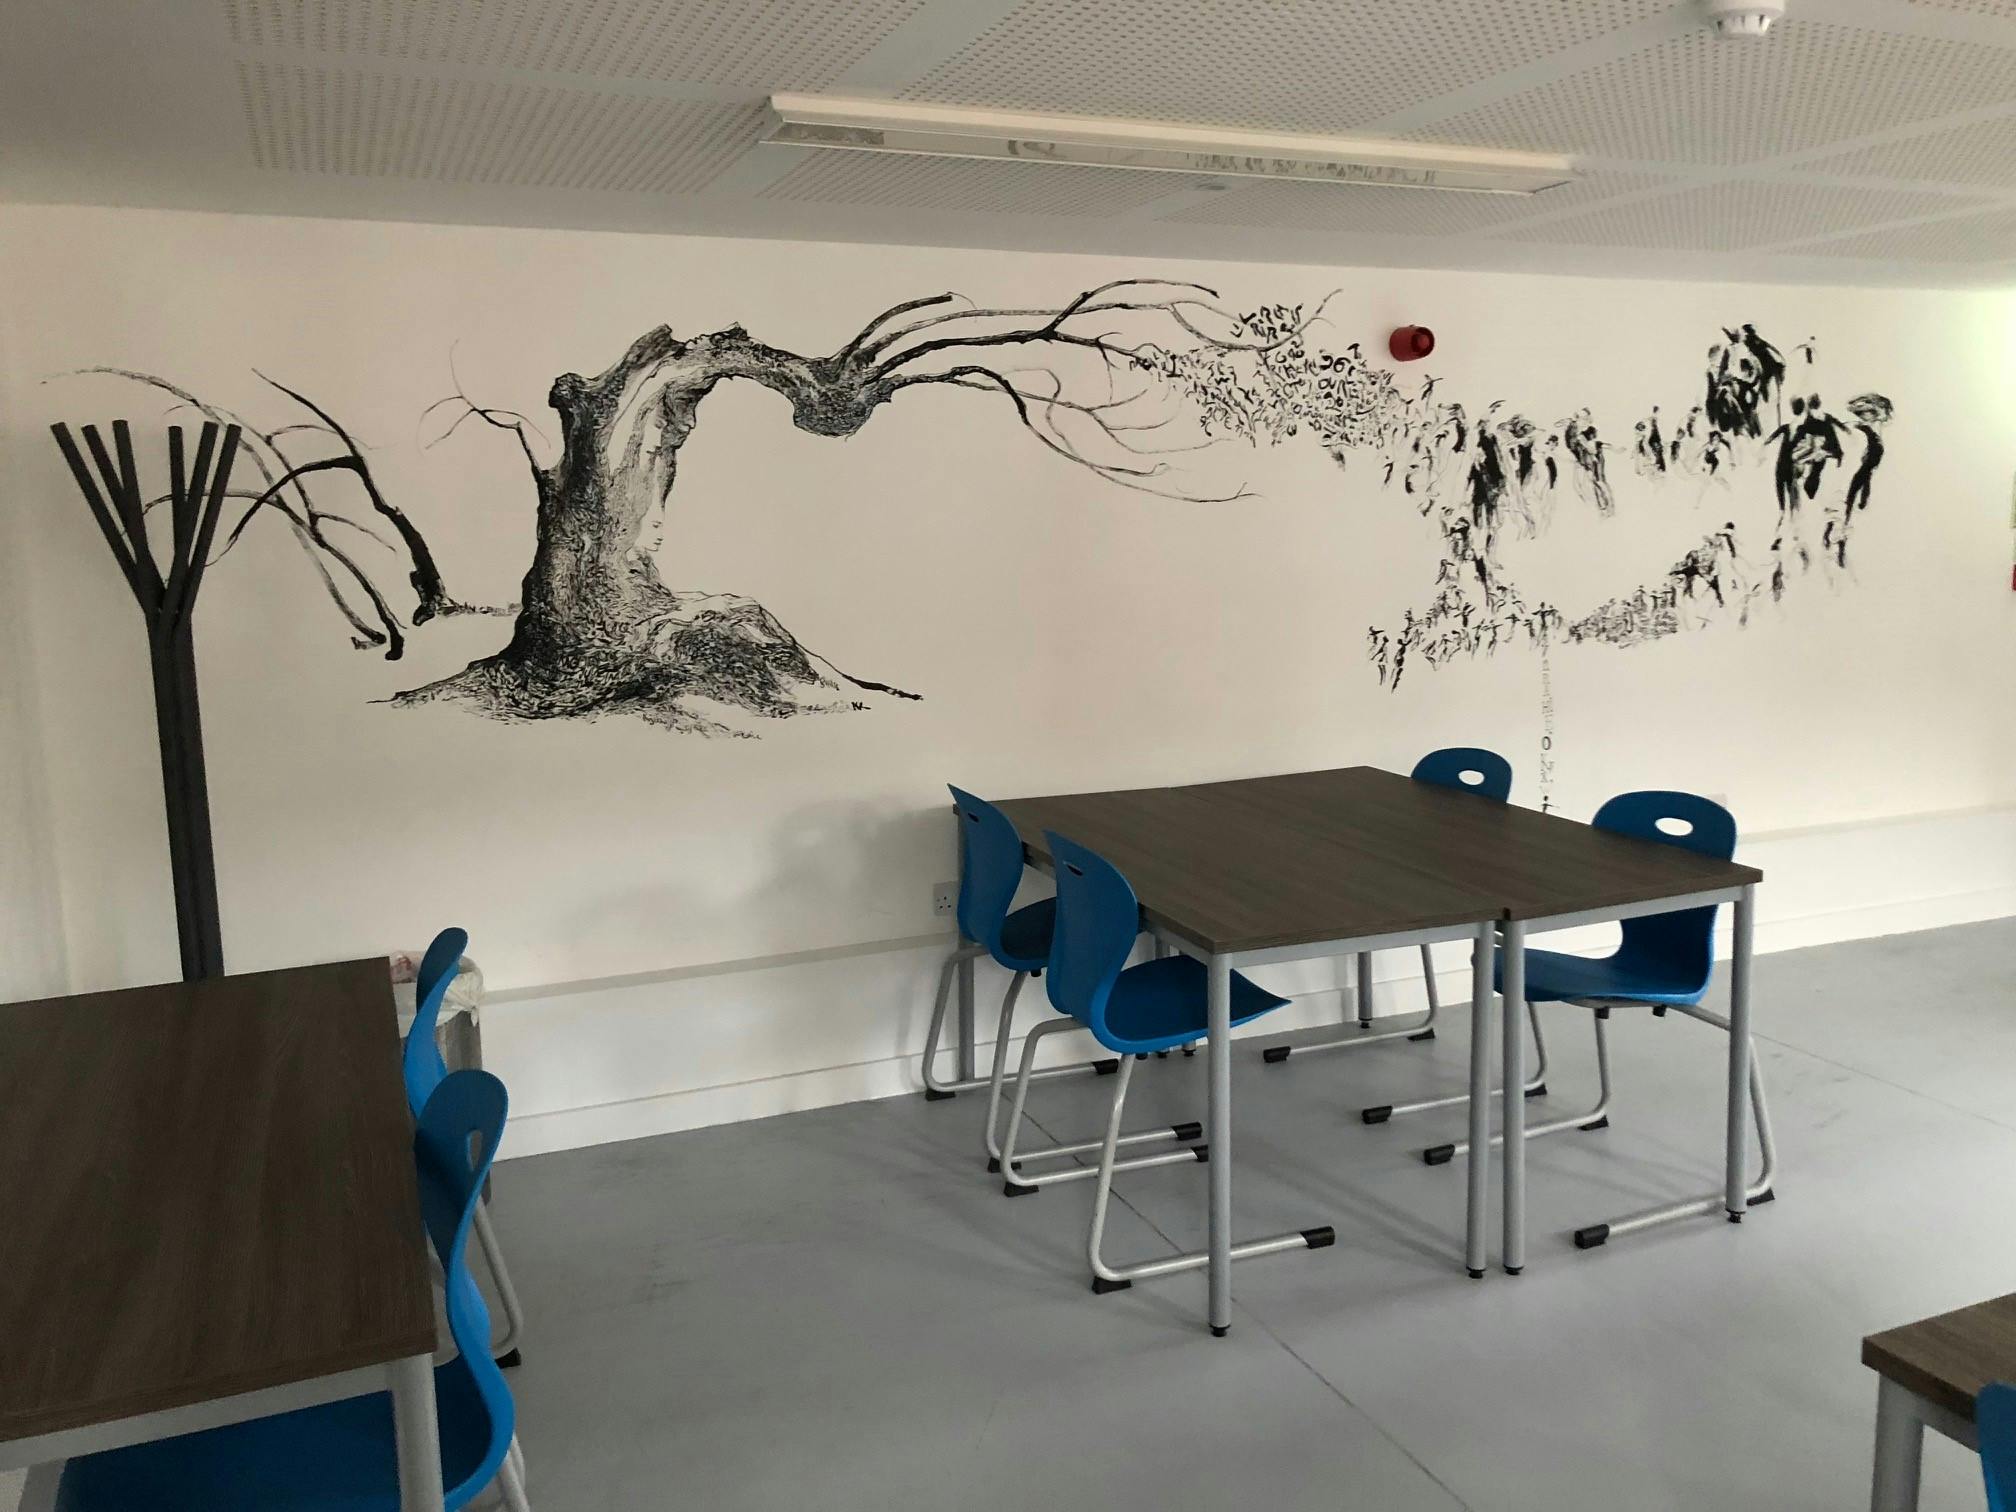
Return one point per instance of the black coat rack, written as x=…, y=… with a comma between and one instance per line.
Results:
x=196, y=496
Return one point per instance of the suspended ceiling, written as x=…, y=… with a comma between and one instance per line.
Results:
x=1865, y=141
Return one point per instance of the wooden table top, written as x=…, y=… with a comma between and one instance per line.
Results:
x=1352, y=853
x=1948, y=1359
x=207, y=1188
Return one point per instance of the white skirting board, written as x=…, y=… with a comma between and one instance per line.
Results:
x=590, y=1063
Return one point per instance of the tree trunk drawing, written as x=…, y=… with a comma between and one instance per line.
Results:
x=598, y=631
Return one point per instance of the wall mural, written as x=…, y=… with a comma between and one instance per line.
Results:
x=1121, y=380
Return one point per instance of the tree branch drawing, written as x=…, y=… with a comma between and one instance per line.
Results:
x=598, y=631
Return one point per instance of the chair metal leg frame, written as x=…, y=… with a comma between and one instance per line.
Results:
x=1760, y=1190
x=1112, y=1278
x=1050, y=1152
x=39, y=1494
x=1421, y=1029
x=1018, y=1183
x=936, y=1088
x=1536, y=1087
x=511, y=1478
x=507, y=1295
x=1597, y=1117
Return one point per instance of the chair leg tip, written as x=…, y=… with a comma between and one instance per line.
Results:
x=1601, y=1123
x=1513, y=1270
x=1438, y=1154
x=1475, y=1273
x=1593, y=1237
x=1767, y=1195
x=1735, y=1217
x=1202, y=1152
x=510, y=1360
x=1219, y=1330
x=1425, y=1034
x=1102, y=1287
x=1010, y=1189
x=1376, y=1115
x=1187, y=1130
x=1319, y=1238
x=1539, y=1090
x=1273, y=1055
x=1106, y=1067
x=937, y=1094
x=993, y=1166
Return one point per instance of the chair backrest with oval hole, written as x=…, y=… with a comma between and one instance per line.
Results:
x=1098, y=919
x=1469, y=768
x=455, y=1139
x=990, y=869
x=1679, y=944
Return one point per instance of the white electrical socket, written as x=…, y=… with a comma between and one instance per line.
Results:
x=945, y=900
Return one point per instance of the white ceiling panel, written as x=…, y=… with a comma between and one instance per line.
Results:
x=1982, y=238
x=1288, y=65
x=1359, y=208
x=758, y=44
x=1732, y=217
x=1693, y=98
x=1981, y=153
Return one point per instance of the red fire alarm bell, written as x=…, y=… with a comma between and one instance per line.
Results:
x=1410, y=342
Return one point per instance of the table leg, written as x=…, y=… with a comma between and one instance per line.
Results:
x=966, y=1049
x=417, y=1433
x=1512, y=991
x=1900, y=1439
x=1735, y=1184
x=1477, y=1209
x=1218, y=1134
x=1364, y=989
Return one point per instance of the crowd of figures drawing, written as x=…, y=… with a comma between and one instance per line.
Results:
x=1122, y=380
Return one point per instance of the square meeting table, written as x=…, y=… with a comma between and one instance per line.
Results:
x=212, y=1215
x=1273, y=869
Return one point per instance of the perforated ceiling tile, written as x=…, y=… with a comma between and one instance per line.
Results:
x=1731, y=217
x=1285, y=65
x=1692, y=98
x=1967, y=239
x=984, y=185
x=347, y=121
x=1294, y=206
x=1983, y=153
x=2005, y=9
x=755, y=44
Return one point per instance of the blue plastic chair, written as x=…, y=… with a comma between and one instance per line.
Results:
x=990, y=874
x=1995, y=1428
x=341, y=1457
x=424, y=1071
x=1134, y=1011
x=1662, y=962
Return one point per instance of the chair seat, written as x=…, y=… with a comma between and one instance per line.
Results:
x=339, y=1457
x=1025, y=936
x=1553, y=977
x=1162, y=1004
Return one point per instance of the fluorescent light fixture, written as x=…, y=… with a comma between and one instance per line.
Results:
x=800, y=120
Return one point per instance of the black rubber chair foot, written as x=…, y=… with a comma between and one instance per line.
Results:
x=993, y=1166
x=1476, y=1275
x=1161, y=1055
x=1592, y=1237
x=1439, y=1154
x=1425, y=1034
x=1010, y=1189
x=1219, y=1330
x=1202, y=1152
x=1189, y=1049
x=1767, y=1195
x=510, y=1360
x=1275, y=1054
x=1106, y=1067
x=1601, y=1123
x=933, y=1094
x=1101, y=1286
x=1321, y=1237
x=1376, y=1115
x=1187, y=1130
x=1735, y=1217
x=1513, y=1270
x=1539, y=1091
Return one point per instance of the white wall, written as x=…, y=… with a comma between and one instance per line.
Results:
x=1065, y=634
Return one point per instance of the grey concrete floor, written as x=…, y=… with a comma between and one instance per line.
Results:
x=838, y=1309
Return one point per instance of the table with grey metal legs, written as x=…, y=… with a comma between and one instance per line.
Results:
x=1734, y=1196
x=1902, y=1416
x=410, y=1381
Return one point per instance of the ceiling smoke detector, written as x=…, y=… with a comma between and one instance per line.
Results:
x=1738, y=20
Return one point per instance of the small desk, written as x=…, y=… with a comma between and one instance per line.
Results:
x=1928, y=1374
x=211, y=1214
